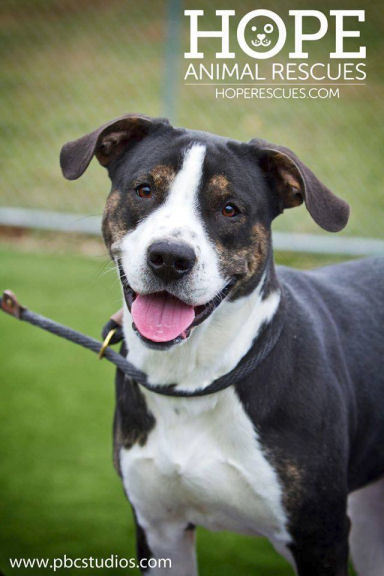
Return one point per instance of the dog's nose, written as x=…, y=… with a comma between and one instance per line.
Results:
x=261, y=36
x=170, y=260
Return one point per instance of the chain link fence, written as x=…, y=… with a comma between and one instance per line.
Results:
x=69, y=66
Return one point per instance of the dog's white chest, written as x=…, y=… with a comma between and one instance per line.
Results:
x=203, y=464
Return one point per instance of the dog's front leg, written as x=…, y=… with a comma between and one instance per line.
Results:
x=166, y=550
x=316, y=557
x=331, y=562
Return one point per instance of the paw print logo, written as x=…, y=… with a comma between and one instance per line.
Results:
x=261, y=36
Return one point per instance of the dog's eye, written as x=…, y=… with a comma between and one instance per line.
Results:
x=144, y=191
x=230, y=210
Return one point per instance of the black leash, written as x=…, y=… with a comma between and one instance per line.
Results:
x=113, y=334
x=9, y=304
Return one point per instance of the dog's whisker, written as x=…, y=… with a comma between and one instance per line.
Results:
x=104, y=268
x=108, y=271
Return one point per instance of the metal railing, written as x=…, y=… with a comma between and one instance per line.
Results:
x=68, y=67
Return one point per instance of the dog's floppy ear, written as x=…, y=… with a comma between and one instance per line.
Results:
x=296, y=183
x=106, y=143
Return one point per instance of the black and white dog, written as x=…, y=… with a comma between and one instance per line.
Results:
x=294, y=450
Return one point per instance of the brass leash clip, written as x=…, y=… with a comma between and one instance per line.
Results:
x=106, y=342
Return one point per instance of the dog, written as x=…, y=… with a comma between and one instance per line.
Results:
x=292, y=450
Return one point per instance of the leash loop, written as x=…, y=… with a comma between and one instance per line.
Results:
x=10, y=305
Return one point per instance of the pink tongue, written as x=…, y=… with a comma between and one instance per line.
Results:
x=161, y=317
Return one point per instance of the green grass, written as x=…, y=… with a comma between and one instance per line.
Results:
x=59, y=491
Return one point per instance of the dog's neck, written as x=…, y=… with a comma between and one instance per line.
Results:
x=215, y=347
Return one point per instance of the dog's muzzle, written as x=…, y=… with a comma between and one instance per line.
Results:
x=161, y=319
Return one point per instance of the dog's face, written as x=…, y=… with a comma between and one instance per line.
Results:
x=189, y=214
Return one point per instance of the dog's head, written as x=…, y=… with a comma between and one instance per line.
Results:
x=189, y=215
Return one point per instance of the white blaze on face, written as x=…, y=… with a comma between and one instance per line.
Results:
x=178, y=219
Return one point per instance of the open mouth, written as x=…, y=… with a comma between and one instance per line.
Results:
x=161, y=320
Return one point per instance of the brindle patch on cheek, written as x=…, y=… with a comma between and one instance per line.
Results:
x=258, y=249
x=231, y=263
x=113, y=225
x=246, y=262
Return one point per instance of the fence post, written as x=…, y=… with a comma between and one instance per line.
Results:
x=172, y=55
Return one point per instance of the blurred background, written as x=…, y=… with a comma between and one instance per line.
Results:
x=67, y=67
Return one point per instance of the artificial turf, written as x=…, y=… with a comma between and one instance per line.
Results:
x=59, y=491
